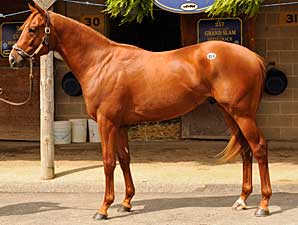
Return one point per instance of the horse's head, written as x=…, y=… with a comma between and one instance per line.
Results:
x=34, y=39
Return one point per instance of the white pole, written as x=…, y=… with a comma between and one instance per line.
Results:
x=47, y=117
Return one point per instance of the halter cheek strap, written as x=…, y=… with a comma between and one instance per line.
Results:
x=45, y=41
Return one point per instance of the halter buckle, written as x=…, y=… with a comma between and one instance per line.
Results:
x=47, y=30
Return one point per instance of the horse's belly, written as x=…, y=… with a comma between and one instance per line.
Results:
x=164, y=108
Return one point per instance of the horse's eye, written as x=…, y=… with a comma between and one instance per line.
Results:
x=32, y=30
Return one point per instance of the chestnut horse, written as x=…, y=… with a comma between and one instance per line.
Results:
x=124, y=85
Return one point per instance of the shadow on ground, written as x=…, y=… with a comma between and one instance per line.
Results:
x=29, y=208
x=285, y=202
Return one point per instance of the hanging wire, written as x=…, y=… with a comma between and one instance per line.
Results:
x=279, y=4
x=85, y=3
x=14, y=14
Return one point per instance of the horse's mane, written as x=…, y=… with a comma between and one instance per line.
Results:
x=90, y=30
x=81, y=25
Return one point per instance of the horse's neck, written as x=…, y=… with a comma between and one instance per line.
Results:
x=80, y=46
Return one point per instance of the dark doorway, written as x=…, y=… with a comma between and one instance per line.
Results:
x=160, y=34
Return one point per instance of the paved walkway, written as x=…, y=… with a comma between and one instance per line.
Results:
x=157, y=166
x=148, y=209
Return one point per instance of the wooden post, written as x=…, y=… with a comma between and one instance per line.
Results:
x=47, y=117
x=46, y=108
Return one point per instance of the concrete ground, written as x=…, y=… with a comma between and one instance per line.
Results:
x=157, y=166
x=177, y=183
x=148, y=209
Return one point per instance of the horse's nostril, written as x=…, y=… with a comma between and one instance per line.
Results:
x=11, y=60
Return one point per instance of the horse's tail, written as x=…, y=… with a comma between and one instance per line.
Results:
x=261, y=62
x=237, y=144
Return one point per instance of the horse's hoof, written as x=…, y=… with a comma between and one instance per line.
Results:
x=123, y=208
x=98, y=216
x=262, y=212
x=239, y=205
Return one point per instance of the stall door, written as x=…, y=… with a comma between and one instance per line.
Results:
x=205, y=122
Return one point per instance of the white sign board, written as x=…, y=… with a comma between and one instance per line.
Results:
x=45, y=4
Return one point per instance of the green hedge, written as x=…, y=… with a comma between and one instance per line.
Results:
x=131, y=10
x=233, y=8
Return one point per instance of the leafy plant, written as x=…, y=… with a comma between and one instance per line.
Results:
x=233, y=8
x=130, y=9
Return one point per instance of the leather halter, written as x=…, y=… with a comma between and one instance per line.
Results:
x=45, y=41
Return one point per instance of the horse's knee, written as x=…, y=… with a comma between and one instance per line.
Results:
x=109, y=166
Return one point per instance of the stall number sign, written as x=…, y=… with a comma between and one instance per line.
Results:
x=94, y=21
x=226, y=29
x=288, y=18
x=10, y=33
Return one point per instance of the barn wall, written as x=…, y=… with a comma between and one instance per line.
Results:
x=278, y=115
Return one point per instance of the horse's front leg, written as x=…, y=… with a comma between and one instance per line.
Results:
x=124, y=159
x=109, y=140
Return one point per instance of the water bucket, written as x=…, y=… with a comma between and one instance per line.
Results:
x=78, y=130
x=93, y=131
x=62, y=132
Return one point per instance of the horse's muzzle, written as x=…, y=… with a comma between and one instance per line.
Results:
x=15, y=59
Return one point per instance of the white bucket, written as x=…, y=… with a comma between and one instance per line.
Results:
x=62, y=132
x=93, y=131
x=78, y=130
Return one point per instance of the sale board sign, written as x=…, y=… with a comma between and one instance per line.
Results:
x=184, y=6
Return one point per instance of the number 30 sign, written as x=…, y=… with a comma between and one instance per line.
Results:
x=94, y=21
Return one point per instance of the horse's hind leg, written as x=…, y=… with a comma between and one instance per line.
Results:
x=247, y=180
x=124, y=160
x=238, y=143
x=258, y=146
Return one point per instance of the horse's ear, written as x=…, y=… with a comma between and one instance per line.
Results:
x=31, y=7
x=39, y=9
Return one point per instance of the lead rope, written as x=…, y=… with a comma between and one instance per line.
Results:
x=30, y=88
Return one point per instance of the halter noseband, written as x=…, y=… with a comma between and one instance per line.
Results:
x=45, y=41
